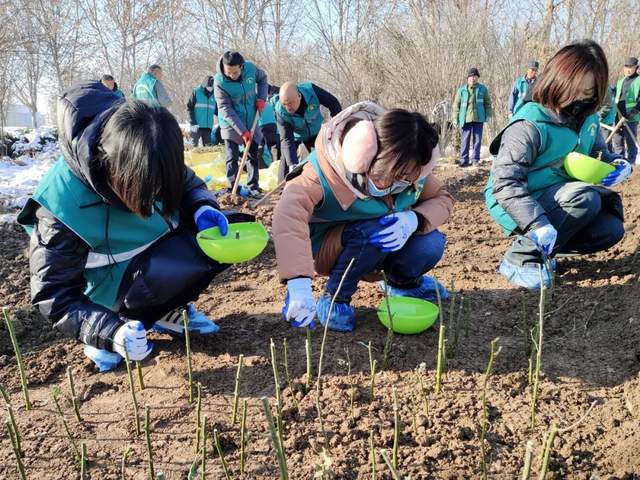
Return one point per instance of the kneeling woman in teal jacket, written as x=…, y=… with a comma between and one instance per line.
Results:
x=113, y=224
x=529, y=193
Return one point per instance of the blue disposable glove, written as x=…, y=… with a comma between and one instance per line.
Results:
x=132, y=337
x=399, y=227
x=299, y=306
x=619, y=175
x=207, y=217
x=545, y=238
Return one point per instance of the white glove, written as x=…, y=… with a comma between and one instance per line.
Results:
x=544, y=238
x=399, y=227
x=133, y=337
x=299, y=305
x=194, y=128
x=619, y=175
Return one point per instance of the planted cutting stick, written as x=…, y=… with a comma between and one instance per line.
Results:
x=83, y=461
x=536, y=372
x=394, y=473
x=528, y=454
x=123, y=463
x=55, y=394
x=198, y=415
x=185, y=323
x=147, y=436
x=548, y=445
x=420, y=372
x=352, y=388
x=4, y=395
x=14, y=426
x=236, y=390
x=389, y=340
x=16, y=451
x=440, y=358
x=243, y=436
x=373, y=380
x=225, y=467
x=74, y=397
x=16, y=350
x=203, y=476
x=282, y=461
x=307, y=348
x=140, y=379
x=396, y=426
x=484, y=422
x=372, y=455
x=132, y=389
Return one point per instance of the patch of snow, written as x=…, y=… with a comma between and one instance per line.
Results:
x=39, y=140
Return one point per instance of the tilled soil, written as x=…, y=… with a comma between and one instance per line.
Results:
x=589, y=385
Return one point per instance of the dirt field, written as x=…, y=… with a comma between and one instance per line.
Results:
x=591, y=356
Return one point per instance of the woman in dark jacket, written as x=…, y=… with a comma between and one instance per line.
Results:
x=113, y=223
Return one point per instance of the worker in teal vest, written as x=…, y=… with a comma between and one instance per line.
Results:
x=529, y=193
x=109, y=82
x=366, y=194
x=522, y=86
x=202, y=109
x=113, y=225
x=241, y=91
x=299, y=118
x=628, y=102
x=150, y=88
x=471, y=108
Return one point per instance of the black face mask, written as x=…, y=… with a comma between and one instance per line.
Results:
x=580, y=108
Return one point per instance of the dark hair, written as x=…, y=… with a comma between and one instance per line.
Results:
x=107, y=78
x=208, y=81
x=405, y=143
x=141, y=150
x=232, y=58
x=561, y=81
x=154, y=67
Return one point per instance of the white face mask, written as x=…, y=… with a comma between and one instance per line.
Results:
x=208, y=89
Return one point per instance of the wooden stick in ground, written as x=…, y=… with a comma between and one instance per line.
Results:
x=55, y=393
x=372, y=455
x=132, y=389
x=536, y=372
x=74, y=397
x=123, y=463
x=14, y=426
x=528, y=455
x=147, y=436
x=394, y=473
x=225, y=467
x=198, y=415
x=389, y=341
x=203, y=476
x=282, y=461
x=16, y=451
x=484, y=422
x=236, y=391
x=140, y=379
x=548, y=445
x=16, y=350
x=245, y=155
x=440, y=358
x=243, y=436
x=83, y=461
x=187, y=341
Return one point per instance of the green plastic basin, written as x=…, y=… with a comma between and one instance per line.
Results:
x=410, y=315
x=585, y=168
x=243, y=242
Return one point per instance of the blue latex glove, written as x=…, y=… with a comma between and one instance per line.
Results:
x=132, y=337
x=619, y=175
x=207, y=217
x=399, y=227
x=544, y=238
x=299, y=306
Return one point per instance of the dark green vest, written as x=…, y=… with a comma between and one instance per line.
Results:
x=556, y=141
x=243, y=94
x=145, y=89
x=330, y=212
x=480, y=94
x=114, y=235
x=307, y=126
x=205, y=108
x=631, y=100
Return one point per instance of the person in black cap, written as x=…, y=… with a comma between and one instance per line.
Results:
x=522, y=85
x=471, y=108
x=627, y=100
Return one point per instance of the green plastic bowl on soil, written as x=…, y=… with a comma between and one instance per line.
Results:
x=243, y=242
x=410, y=315
x=585, y=168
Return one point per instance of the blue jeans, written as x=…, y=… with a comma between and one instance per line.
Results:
x=624, y=144
x=471, y=129
x=588, y=220
x=403, y=268
x=232, y=158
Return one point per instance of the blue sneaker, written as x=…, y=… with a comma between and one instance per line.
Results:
x=528, y=275
x=425, y=291
x=343, y=316
x=104, y=359
x=198, y=322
